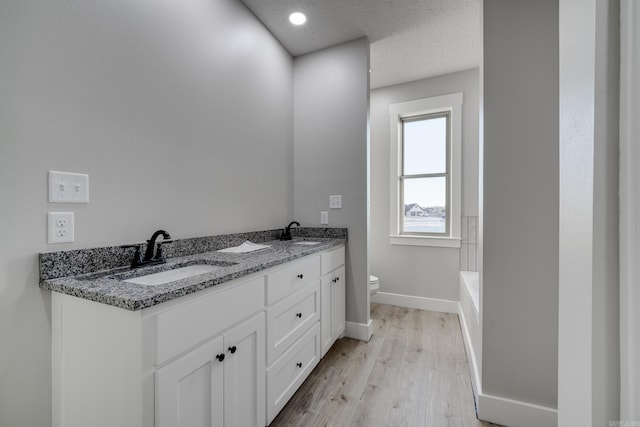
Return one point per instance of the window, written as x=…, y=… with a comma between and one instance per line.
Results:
x=424, y=178
x=425, y=171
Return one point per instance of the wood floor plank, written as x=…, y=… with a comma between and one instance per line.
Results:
x=413, y=372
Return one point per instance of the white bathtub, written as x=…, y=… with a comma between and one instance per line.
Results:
x=469, y=289
x=469, y=281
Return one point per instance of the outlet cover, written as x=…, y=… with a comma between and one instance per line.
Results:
x=60, y=227
x=67, y=187
x=335, y=202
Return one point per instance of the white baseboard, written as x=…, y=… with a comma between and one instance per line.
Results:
x=471, y=354
x=358, y=331
x=514, y=413
x=422, y=303
x=500, y=410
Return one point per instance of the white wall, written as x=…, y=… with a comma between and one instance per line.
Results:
x=520, y=206
x=411, y=270
x=331, y=104
x=180, y=112
x=588, y=361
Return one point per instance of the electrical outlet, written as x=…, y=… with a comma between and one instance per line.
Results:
x=67, y=187
x=60, y=227
x=335, y=202
x=324, y=218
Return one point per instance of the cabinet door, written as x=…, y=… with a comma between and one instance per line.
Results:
x=337, y=304
x=326, y=336
x=244, y=374
x=189, y=389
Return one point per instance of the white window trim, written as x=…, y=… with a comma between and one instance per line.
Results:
x=453, y=103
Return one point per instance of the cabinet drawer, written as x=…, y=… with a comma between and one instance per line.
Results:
x=331, y=260
x=291, y=278
x=183, y=327
x=290, y=371
x=290, y=318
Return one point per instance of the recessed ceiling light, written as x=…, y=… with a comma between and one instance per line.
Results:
x=297, y=18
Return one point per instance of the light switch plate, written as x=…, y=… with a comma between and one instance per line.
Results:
x=324, y=218
x=60, y=227
x=335, y=202
x=67, y=187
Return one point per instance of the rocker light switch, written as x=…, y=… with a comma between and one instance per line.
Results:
x=335, y=202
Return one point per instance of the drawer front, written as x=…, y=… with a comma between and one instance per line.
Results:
x=289, y=319
x=331, y=260
x=290, y=371
x=292, y=277
x=185, y=326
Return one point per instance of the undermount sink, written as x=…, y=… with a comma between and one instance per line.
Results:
x=306, y=243
x=180, y=273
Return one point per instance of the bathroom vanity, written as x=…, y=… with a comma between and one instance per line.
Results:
x=225, y=348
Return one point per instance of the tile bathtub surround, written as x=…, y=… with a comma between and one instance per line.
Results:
x=92, y=260
x=468, y=244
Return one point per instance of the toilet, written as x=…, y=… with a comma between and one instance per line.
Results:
x=373, y=285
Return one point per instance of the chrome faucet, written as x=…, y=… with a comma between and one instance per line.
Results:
x=151, y=257
x=286, y=233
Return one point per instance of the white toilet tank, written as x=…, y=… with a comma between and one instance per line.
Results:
x=374, y=285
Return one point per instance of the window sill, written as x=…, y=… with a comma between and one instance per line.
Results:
x=438, y=242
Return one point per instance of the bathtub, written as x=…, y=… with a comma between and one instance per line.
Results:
x=469, y=311
x=470, y=288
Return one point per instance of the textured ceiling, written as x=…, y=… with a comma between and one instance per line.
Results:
x=410, y=39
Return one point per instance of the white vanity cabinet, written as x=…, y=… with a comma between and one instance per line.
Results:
x=333, y=297
x=230, y=355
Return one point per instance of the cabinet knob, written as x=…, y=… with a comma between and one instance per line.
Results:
x=299, y=315
x=300, y=276
x=220, y=357
x=299, y=365
x=232, y=350
x=334, y=280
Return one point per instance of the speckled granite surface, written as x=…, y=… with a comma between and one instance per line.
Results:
x=98, y=274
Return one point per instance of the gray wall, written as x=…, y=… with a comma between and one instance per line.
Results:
x=520, y=207
x=331, y=104
x=412, y=270
x=180, y=112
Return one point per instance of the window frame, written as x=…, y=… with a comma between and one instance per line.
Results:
x=450, y=104
x=447, y=174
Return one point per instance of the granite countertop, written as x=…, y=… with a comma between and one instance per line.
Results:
x=109, y=287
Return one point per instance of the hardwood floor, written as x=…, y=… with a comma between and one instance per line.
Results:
x=413, y=372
